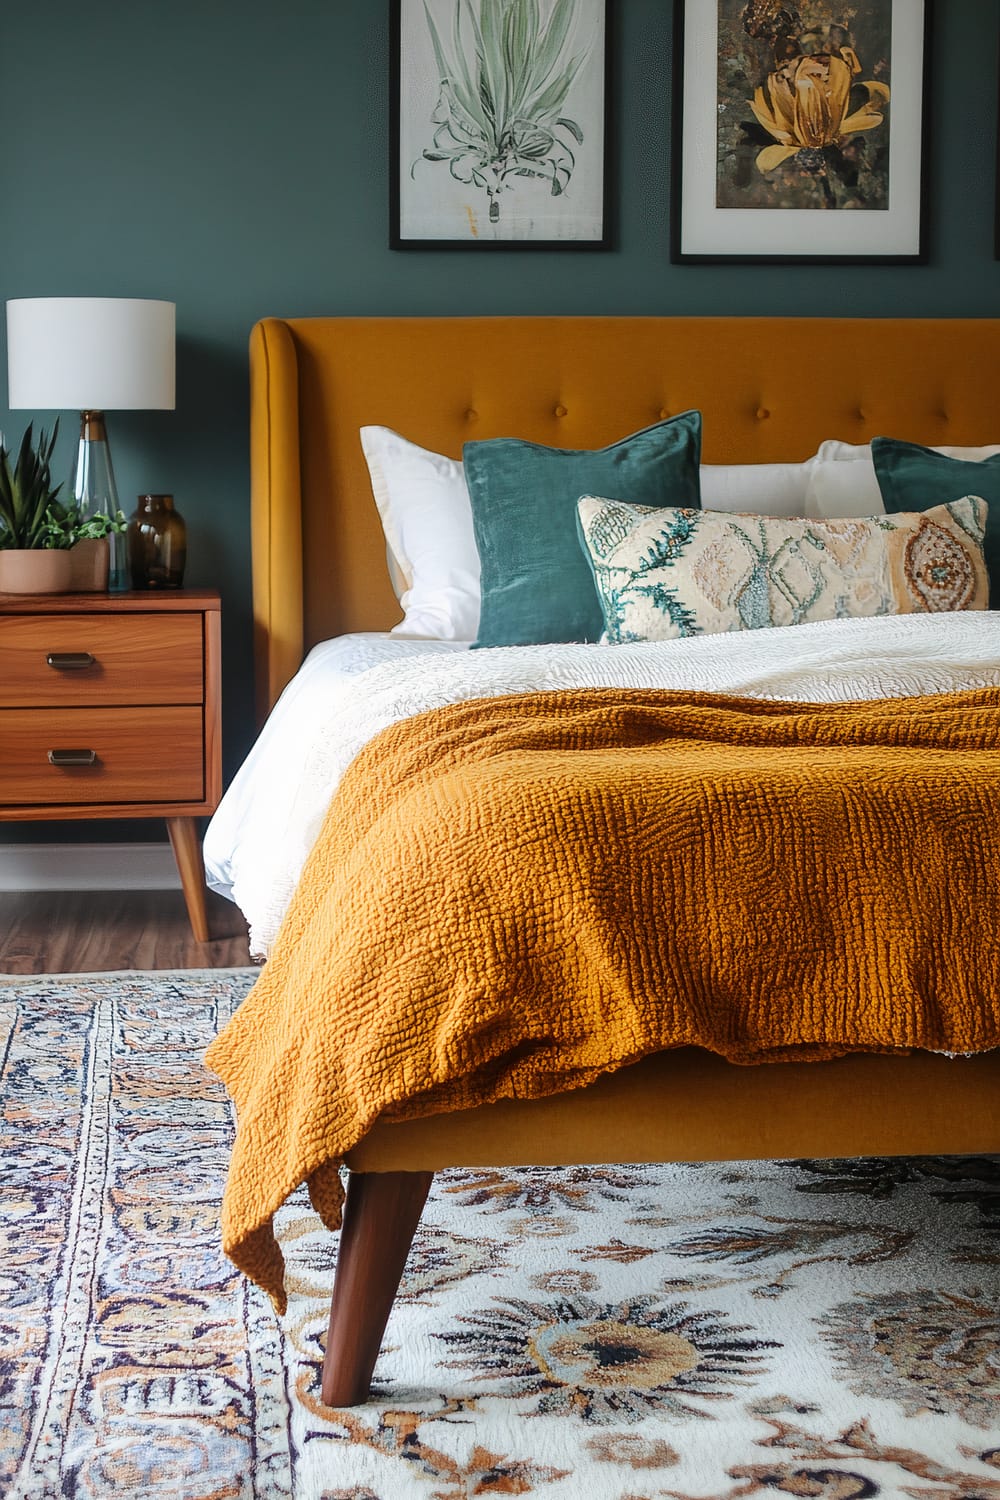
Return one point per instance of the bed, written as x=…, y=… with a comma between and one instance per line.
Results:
x=769, y=390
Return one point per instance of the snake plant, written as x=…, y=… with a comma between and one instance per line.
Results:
x=504, y=78
x=31, y=517
x=27, y=494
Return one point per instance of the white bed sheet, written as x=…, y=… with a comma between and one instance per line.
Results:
x=255, y=809
x=351, y=688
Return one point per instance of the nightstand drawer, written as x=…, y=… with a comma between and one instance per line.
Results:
x=51, y=660
x=122, y=755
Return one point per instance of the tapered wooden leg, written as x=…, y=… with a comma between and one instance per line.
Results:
x=187, y=852
x=380, y=1217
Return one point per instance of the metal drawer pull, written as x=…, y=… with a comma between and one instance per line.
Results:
x=70, y=661
x=72, y=757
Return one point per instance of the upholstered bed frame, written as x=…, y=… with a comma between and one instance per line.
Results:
x=770, y=389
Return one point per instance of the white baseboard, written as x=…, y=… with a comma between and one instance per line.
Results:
x=87, y=867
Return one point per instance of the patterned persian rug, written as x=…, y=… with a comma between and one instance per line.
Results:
x=709, y=1332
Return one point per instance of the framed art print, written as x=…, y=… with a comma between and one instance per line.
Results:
x=996, y=195
x=800, y=130
x=500, y=124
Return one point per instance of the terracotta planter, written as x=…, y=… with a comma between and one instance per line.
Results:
x=89, y=566
x=40, y=571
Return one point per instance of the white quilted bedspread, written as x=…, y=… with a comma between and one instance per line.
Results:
x=259, y=839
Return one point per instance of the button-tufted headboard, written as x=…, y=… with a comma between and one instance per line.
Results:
x=770, y=389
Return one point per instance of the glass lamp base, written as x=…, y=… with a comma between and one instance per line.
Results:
x=119, y=581
x=95, y=491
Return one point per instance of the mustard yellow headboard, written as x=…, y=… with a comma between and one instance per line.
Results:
x=770, y=389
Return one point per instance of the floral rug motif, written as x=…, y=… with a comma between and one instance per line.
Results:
x=696, y=1332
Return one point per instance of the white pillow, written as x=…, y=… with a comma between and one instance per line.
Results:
x=842, y=491
x=833, y=450
x=426, y=515
x=759, y=489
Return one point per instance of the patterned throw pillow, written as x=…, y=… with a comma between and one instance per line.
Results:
x=667, y=573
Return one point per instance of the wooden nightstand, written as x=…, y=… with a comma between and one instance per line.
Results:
x=109, y=708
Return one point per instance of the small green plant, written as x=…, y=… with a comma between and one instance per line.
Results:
x=503, y=83
x=31, y=516
x=67, y=526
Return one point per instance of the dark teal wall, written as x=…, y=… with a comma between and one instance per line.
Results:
x=231, y=155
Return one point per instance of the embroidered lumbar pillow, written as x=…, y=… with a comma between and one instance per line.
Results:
x=677, y=572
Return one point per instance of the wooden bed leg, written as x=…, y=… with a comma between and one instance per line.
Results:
x=380, y=1217
x=191, y=868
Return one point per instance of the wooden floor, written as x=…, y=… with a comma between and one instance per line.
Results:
x=71, y=932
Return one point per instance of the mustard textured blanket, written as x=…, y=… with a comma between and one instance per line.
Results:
x=511, y=897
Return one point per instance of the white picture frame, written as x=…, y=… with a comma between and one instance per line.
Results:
x=711, y=160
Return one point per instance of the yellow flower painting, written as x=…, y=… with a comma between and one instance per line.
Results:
x=804, y=104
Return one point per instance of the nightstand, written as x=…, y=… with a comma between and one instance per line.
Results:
x=109, y=708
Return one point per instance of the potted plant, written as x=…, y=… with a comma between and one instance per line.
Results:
x=88, y=540
x=46, y=547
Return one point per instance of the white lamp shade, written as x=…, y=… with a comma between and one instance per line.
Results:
x=90, y=354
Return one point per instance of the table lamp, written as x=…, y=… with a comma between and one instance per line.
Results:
x=92, y=355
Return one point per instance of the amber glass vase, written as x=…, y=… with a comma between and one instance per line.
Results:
x=157, y=543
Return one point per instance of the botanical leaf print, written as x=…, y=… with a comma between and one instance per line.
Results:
x=504, y=74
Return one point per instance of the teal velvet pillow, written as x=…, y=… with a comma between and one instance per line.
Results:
x=536, y=583
x=915, y=478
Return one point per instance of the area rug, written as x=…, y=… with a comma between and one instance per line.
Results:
x=703, y=1332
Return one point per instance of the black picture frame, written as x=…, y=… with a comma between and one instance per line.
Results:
x=996, y=190
x=702, y=232
x=565, y=155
